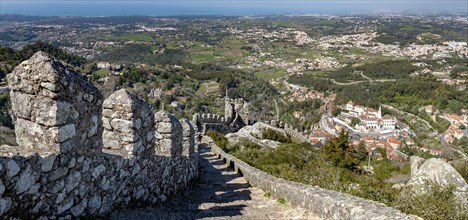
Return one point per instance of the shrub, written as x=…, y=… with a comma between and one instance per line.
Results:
x=437, y=202
x=271, y=134
x=219, y=139
x=281, y=200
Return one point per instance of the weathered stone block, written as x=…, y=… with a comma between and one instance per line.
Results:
x=48, y=163
x=25, y=181
x=50, y=118
x=165, y=127
x=5, y=205
x=169, y=135
x=23, y=104
x=123, y=130
x=188, y=138
x=12, y=168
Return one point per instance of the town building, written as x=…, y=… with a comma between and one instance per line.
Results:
x=370, y=119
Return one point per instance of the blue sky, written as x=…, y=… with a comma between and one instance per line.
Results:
x=222, y=7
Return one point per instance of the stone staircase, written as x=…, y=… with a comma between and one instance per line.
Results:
x=221, y=193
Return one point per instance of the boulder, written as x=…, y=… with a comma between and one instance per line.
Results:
x=253, y=133
x=436, y=171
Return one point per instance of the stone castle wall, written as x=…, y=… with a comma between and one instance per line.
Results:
x=325, y=203
x=213, y=119
x=235, y=117
x=80, y=155
x=289, y=130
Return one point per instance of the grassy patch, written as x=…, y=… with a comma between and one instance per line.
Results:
x=101, y=72
x=357, y=51
x=270, y=73
x=137, y=37
x=281, y=200
x=203, y=57
x=202, y=90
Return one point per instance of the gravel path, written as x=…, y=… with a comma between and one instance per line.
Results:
x=220, y=193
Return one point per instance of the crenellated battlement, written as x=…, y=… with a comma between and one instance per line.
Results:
x=81, y=155
x=289, y=130
x=213, y=118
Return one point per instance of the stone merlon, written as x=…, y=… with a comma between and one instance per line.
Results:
x=57, y=109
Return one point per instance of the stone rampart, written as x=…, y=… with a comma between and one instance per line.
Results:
x=59, y=168
x=325, y=203
x=205, y=122
x=295, y=134
x=289, y=130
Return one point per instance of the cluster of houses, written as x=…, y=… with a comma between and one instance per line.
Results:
x=301, y=94
x=458, y=127
x=389, y=144
x=366, y=41
x=367, y=126
x=372, y=129
x=369, y=120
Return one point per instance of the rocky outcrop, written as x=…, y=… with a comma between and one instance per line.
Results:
x=434, y=170
x=253, y=133
x=56, y=108
x=425, y=173
x=59, y=168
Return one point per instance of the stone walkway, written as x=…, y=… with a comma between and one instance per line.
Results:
x=220, y=193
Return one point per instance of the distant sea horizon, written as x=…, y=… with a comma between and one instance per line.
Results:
x=220, y=8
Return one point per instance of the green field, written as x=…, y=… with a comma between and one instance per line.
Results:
x=102, y=72
x=270, y=73
x=137, y=37
x=203, y=57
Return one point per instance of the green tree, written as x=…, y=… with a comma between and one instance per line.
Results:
x=355, y=121
x=340, y=153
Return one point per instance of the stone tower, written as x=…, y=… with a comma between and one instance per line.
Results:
x=228, y=107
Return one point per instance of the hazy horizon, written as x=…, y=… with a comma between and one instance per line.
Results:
x=221, y=7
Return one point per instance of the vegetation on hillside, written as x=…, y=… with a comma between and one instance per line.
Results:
x=336, y=167
x=10, y=58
